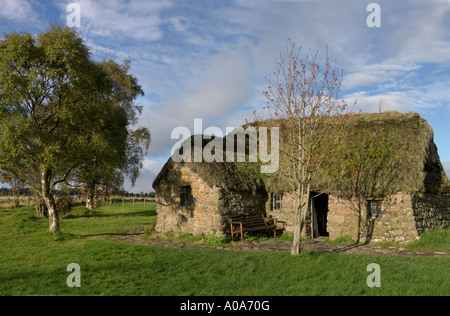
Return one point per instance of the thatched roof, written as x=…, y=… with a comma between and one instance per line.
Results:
x=230, y=176
x=392, y=151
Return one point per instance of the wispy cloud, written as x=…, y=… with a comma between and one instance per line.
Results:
x=21, y=14
x=20, y=10
x=419, y=30
x=209, y=59
x=223, y=88
x=148, y=173
x=120, y=19
x=179, y=23
x=432, y=94
x=391, y=101
x=377, y=74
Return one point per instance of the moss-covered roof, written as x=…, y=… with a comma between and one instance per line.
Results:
x=230, y=176
x=389, y=152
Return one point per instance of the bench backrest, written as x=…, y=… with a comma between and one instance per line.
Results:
x=249, y=220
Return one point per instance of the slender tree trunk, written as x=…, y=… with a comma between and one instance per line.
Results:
x=311, y=212
x=306, y=208
x=41, y=208
x=358, y=238
x=90, y=197
x=53, y=216
x=295, y=250
x=302, y=206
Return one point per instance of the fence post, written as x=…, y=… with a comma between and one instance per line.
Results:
x=133, y=201
x=123, y=201
x=145, y=201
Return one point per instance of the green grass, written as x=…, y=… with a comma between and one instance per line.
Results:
x=432, y=240
x=32, y=262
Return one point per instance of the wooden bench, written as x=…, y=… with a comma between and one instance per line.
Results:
x=241, y=224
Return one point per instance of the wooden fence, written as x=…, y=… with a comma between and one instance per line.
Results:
x=12, y=202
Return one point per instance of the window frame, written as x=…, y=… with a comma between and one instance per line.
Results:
x=277, y=201
x=374, y=212
x=186, y=198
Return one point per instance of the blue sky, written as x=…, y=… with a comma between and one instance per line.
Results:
x=209, y=59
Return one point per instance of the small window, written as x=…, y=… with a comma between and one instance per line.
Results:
x=374, y=208
x=186, y=195
x=276, y=201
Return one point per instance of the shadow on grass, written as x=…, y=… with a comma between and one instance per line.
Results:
x=111, y=234
x=352, y=246
x=94, y=213
x=82, y=215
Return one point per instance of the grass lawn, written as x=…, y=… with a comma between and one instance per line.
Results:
x=32, y=262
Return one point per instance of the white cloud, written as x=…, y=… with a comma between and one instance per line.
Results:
x=376, y=74
x=179, y=23
x=18, y=10
x=144, y=182
x=220, y=89
x=223, y=88
x=393, y=101
x=421, y=34
x=210, y=61
x=197, y=60
x=136, y=19
x=434, y=94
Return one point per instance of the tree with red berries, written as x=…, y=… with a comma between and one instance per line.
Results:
x=303, y=92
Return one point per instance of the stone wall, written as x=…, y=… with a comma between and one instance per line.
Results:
x=286, y=213
x=395, y=223
x=210, y=209
x=403, y=217
x=431, y=212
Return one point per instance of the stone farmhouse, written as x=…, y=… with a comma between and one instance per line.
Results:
x=386, y=183
x=197, y=197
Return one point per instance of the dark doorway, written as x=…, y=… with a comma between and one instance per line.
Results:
x=321, y=209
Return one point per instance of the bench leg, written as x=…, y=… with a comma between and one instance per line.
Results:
x=242, y=234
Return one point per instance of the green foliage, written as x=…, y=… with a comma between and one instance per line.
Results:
x=64, y=116
x=64, y=205
x=51, y=109
x=126, y=145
